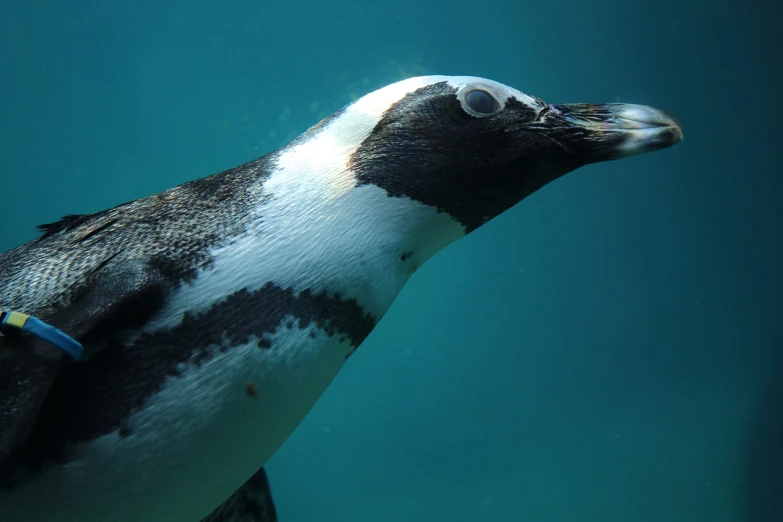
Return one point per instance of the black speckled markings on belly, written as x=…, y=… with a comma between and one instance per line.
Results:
x=97, y=397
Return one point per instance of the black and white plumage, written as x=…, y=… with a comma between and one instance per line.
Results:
x=216, y=313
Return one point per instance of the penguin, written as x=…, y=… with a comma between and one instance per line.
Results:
x=205, y=321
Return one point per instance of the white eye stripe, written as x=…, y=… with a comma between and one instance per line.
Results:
x=373, y=105
x=498, y=90
x=501, y=93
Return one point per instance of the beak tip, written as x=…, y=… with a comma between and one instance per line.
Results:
x=674, y=126
x=648, y=129
x=680, y=136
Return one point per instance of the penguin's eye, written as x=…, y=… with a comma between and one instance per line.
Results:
x=481, y=101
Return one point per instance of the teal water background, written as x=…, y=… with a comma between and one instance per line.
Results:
x=609, y=350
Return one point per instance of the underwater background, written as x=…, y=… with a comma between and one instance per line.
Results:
x=609, y=350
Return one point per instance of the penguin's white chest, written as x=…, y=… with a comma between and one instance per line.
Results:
x=196, y=441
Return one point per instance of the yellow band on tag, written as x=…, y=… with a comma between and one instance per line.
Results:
x=16, y=319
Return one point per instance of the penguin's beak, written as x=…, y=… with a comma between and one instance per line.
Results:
x=610, y=131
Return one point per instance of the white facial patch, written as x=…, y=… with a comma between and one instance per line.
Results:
x=501, y=93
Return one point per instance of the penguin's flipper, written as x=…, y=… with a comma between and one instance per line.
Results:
x=250, y=503
x=116, y=296
x=119, y=296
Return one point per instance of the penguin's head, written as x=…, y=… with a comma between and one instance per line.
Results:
x=472, y=148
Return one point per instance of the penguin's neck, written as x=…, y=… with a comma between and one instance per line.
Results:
x=320, y=231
